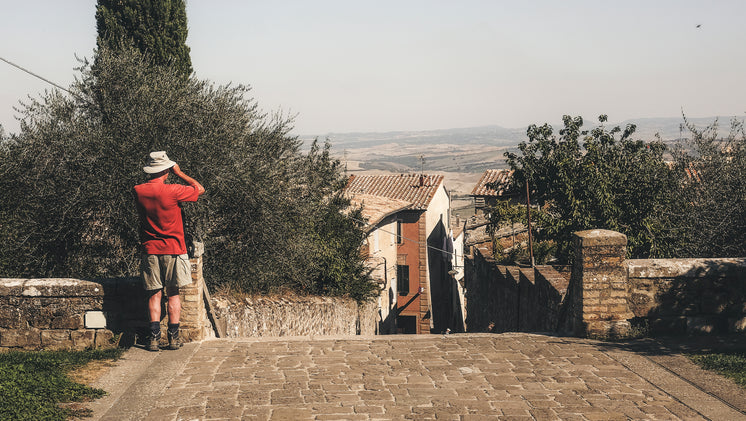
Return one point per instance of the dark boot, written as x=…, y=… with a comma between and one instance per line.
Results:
x=154, y=337
x=153, y=343
x=173, y=340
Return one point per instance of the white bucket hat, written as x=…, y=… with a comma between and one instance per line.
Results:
x=158, y=162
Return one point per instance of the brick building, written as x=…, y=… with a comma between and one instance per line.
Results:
x=410, y=230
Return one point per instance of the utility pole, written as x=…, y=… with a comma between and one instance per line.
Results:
x=528, y=217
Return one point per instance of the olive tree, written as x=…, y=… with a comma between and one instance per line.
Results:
x=709, y=216
x=271, y=219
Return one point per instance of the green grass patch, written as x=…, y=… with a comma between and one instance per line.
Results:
x=731, y=365
x=33, y=383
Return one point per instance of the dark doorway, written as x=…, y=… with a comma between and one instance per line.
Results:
x=406, y=324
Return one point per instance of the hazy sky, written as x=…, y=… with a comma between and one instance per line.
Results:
x=347, y=65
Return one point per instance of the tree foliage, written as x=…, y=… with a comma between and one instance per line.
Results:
x=594, y=179
x=157, y=28
x=271, y=218
x=709, y=216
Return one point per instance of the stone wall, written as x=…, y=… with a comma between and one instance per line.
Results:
x=690, y=296
x=291, y=315
x=669, y=296
x=606, y=292
x=510, y=298
x=52, y=314
x=78, y=314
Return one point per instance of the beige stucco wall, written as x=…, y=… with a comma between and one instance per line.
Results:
x=382, y=258
x=438, y=210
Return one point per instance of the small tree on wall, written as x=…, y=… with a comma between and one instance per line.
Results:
x=157, y=28
x=708, y=218
x=599, y=178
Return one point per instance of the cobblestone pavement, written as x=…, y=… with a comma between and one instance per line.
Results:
x=454, y=377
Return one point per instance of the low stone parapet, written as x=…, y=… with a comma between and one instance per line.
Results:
x=65, y=313
x=52, y=314
x=511, y=298
x=691, y=296
x=291, y=315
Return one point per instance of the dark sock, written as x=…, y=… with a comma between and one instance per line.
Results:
x=173, y=329
x=155, y=329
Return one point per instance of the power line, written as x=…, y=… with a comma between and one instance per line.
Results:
x=409, y=239
x=36, y=76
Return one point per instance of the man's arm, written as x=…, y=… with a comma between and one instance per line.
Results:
x=187, y=179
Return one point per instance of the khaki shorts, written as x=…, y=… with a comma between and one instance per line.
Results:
x=169, y=270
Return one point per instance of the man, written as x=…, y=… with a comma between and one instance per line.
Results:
x=165, y=262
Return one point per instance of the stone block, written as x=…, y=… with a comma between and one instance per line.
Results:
x=620, y=310
x=74, y=321
x=82, y=338
x=20, y=338
x=703, y=324
x=95, y=320
x=61, y=287
x=11, y=286
x=591, y=316
x=737, y=325
x=668, y=325
x=56, y=339
x=104, y=338
x=36, y=315
x=591, y=302
x=713, y=303
x=591, y=294
x=10, y=317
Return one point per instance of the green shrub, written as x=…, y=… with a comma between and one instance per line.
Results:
x=33, y=383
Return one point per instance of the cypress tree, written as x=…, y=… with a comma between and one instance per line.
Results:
x=157, y=28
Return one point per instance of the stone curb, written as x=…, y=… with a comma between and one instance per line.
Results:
x=137, y=380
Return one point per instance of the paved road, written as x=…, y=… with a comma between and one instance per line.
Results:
x=513, y=376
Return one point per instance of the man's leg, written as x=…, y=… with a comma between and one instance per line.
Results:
x=151, y=274
x=174, y=305
x=154, y=311
x=154, y=305
x=174, y=314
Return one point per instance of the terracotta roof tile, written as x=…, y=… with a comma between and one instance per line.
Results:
x=490, y=176
x=413, y=188
x=375, y=208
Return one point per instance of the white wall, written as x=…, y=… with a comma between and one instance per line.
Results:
x=383, y=259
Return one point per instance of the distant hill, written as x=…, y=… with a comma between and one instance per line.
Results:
x=667, y=128
x=493, y=135
x=462, y=154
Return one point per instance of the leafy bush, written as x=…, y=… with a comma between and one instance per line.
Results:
x=33, y=383
x=594, y=179
x=694, y=206
x=708, y=218
x=270, y=219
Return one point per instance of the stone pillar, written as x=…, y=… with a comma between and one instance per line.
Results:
x=599, y=278
x=195, y=325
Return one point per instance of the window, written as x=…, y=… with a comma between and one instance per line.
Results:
x=398, y=232
x=402, y=279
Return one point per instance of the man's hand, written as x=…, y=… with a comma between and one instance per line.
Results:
x=189, y=180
